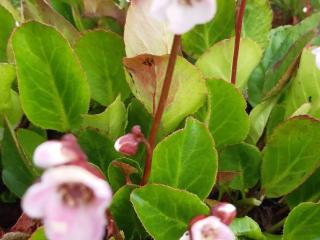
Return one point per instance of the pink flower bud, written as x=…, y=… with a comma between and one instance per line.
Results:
x=71, y=202
x=226, y=212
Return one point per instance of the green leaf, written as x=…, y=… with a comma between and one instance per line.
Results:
x=111, y=122
x=202, y=37
x=307, y=192
x=303, y=222
x=101, y=54
x=291, y=155
x=125, y=216
x=7, y=77
x=40, y=11
x=117, y=177
x=272, y=237
x=18, y=172
x=187, y=160
x=228, y=120
x=53, y=89
x=259, y=118
x=280, y=59
x=246, y=227
x=165, y=212
x=244, y=160
x=187, y=93
x=7, y=23
x=305, y=87
x=29, y=141
x=99, y=149
x=38, y=234
x=217, y=61
x=257, y=21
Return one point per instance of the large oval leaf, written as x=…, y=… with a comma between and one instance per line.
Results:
x=187, y=93
x=186, y=160
x=53, y=89
x=291, y=155
x=303, y=222
x=101, y=56
x=228, y=120
x=165, y=212
x=7, y=24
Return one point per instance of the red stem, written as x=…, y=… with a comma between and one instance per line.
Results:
x=161, y=106
x=115, y=230
x=309, y=8
x=239, y=22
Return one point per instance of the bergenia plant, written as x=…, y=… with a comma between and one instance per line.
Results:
x=160, y=119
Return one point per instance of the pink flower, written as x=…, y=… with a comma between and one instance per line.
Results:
x=226, y=212
x=71, y=201
x=54, y=153
x=316, y=52
x=129, y=143
x=182, y=15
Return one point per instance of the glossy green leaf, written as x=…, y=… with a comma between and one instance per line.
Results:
x=38, y=234
x=244, y=160
x=187, y=160
x=53, y=89
x=291, y=155
x=165, y=212
x=187, y=93
x=272, y=237
x=228, y=120
x=7, y=23
x=305, y=88
x=40, y=11
x=124, y=214
x=18, y=172
x=246, y=227
x=101, y=56
x=111, y=122
x=7, y=76
x=280, y=58
x=217, y=61
x=99, y=149
x=303, y=222
x=307, y=192
x=257, y=21
x=202, y=37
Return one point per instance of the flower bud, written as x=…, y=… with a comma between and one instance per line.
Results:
x=129, y=143
x=226, y=212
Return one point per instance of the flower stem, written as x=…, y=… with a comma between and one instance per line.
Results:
x=309, y=8
x=239, y=21
x=115, y=230
x=161, y=106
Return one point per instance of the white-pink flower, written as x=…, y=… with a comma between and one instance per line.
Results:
x=316, y=52
x=209, y=228
x=71, y=201
x=182, y=15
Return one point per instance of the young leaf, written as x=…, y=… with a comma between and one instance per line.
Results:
x=257, y=21
x=228, y=120
x=101, y=56
x=244, y=160
x=307, y=192
x=38, y=234
x=187, y=160
x=187, y=92
x=246, y=227
x=111, y=122
x=48, y=69
x=124, y=214
x=40, y=11
x=7, y=23
x=165, y=212
x=217, y=61
x=18, y=172
x=280, y=58
x=303, y=222
x=291, y=155
x=143, y=34
x=202, y=37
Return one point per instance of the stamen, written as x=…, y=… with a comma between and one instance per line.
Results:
x=75, y=194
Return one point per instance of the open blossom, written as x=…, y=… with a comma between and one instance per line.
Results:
x=316, y=52
x=71, y=201
x=182, y=15
x=54, y=153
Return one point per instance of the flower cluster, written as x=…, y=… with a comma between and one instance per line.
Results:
x=71, y=193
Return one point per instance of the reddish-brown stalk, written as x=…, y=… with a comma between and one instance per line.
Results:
x=115, y=230
x=309, y=8
x=161, y=107
x=239, y=21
